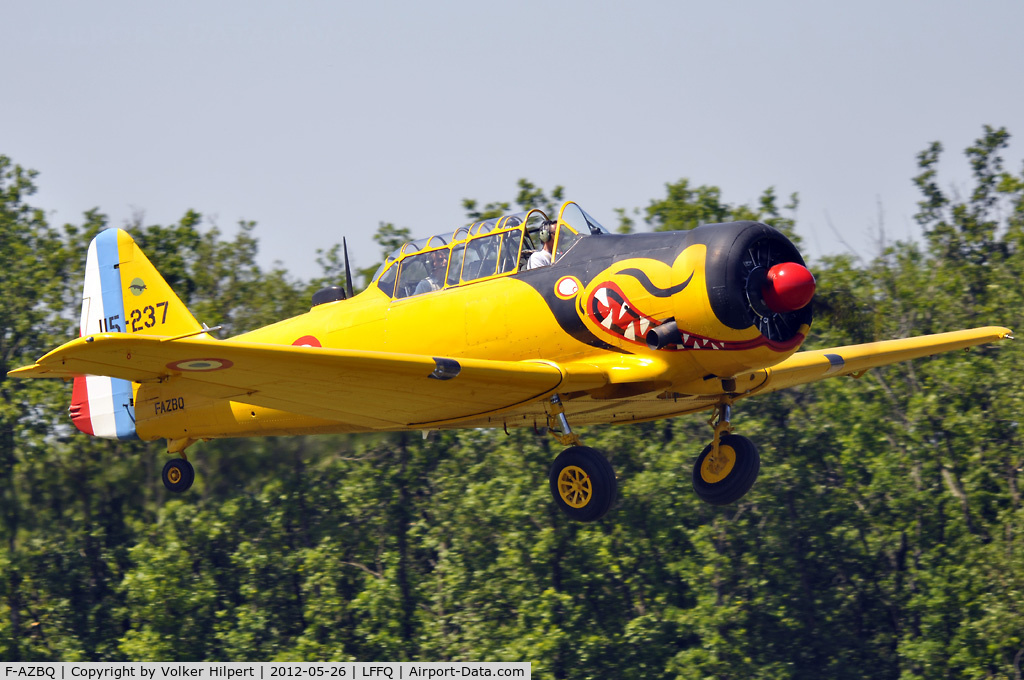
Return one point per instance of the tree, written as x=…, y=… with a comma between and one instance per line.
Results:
x=528, y=197
x=31, y=280
x=685, y=207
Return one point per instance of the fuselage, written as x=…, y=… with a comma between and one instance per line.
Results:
x=477, y=329
x=665, y=314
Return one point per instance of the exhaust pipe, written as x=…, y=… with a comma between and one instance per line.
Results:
x=665, y=334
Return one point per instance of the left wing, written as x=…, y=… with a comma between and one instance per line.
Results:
x=376, y=389
x=814, y=365
x=705, y=393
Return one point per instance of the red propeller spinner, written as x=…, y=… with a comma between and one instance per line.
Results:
x=788, y=287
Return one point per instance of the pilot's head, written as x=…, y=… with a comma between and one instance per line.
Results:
x=547, y=233
x=439, y=260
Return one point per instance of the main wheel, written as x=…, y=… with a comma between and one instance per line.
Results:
x=583, y=483
x=727, y=477
x=178, y=475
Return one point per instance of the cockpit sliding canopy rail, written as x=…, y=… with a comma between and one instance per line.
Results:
x=490, y=248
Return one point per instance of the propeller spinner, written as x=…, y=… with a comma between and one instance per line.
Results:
x=789, y=286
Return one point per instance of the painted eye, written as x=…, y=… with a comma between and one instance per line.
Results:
x=567, y=287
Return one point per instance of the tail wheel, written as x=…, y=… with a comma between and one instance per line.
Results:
x=178, y=475
x=725, y=478
x=583, y=483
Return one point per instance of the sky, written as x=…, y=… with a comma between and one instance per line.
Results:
x=322, y=119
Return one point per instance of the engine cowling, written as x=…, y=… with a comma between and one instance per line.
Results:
x=756, y=277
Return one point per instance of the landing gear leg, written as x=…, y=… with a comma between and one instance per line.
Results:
x=727, y=468
x=582, y=481
x=565, y=435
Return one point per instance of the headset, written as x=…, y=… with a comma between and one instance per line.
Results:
x=547, y=229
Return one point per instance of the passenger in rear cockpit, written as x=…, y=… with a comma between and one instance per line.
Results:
x=542, y=257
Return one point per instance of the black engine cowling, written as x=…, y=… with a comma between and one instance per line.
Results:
x=739, y=257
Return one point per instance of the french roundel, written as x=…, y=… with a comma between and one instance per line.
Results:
x=200, y=365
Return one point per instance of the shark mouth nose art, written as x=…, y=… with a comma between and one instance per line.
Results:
x=609, y=308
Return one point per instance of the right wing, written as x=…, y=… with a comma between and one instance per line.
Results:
x=378, y=390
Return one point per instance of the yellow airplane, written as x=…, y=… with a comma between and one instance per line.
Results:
x=519, y=321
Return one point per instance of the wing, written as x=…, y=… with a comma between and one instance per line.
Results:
x=381, y=390
x=701, y=395
x=814, y=365
x=377, y=389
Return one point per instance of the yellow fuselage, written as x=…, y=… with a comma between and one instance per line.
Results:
x=595, y=305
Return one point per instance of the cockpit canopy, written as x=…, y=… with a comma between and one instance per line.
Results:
x=496, y=247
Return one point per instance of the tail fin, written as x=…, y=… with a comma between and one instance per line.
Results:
x=123, y=293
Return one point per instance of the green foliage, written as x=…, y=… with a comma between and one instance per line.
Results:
x=528, y=197
x=685, y=207
x=883, y=538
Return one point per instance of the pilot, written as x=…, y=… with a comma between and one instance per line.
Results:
x=542, y=257
x=435, y=279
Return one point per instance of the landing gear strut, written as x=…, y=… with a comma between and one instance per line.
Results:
x=582, y=480
x=726, y=469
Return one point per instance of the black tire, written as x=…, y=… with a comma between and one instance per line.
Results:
x=583, y=483
x=741, y=464
x=178, y=475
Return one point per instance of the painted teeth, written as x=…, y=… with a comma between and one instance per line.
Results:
x=626, y=322
x=695, y=342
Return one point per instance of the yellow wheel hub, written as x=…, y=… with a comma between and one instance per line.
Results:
x=716, y=468
x=174, y=475
x=574, y=486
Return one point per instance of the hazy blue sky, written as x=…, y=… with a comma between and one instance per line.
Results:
x=321, y=119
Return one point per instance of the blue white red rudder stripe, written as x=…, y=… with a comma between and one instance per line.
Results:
x=123, y=293
x=101, y=406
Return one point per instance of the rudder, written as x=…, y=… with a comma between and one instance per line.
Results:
x=123, y=293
